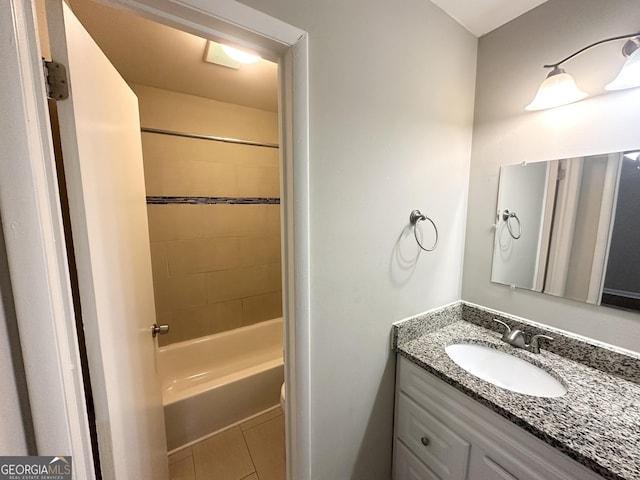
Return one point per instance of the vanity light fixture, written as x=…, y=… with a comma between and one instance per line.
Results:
x=629, y=76
x=559, y=88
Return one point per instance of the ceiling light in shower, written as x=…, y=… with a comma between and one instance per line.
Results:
x=227, y=56
x=240, y=56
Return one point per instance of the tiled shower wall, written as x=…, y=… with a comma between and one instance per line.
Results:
x=216, y=266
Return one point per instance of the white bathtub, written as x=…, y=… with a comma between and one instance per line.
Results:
x=216, y=381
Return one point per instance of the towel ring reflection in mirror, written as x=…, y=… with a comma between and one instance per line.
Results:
x=417, y=216
x=507, y=216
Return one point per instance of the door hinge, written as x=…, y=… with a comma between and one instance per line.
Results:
x=55, y=79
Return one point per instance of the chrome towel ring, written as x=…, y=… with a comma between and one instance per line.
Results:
x=507, y=216
x=417, y=216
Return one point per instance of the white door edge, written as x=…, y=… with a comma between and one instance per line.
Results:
x=35, y=238
x=605, y=227
x=294, y=128
x=34, y=235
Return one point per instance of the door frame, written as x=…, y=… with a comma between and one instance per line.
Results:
x=32, y=222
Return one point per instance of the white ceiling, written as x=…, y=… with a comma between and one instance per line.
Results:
x=149, y=53
x=152, y=54
x=483, y=16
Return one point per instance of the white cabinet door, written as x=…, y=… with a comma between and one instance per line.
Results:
x=407, y=466
x=483, y=467
x=102, y=152
x=441, y=449
x=460, y=432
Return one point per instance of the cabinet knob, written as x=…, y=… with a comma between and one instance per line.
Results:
x=425, y=441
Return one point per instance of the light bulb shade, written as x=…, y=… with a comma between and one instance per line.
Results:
x=240, y=56
x=629, y=76
x=559, y=88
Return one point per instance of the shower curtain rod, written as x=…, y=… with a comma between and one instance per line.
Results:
x=209, y=137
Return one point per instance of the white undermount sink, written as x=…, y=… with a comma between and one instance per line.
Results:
x=505, y=370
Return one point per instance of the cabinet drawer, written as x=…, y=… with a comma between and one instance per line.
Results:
x=482, y=467
x=406, y=465
x=442, y=450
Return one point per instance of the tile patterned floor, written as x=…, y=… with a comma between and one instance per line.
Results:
x=254, y=450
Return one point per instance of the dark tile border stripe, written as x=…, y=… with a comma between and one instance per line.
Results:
x=158, y=200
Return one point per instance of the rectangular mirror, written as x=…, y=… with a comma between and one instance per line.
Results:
x=571, y=228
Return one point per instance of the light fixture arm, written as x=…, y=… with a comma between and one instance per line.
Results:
x=559, y=88
x=606, y=40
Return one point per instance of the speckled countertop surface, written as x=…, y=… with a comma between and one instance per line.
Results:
x=597, y=422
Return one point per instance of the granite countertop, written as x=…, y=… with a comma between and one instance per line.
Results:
x=597, y=422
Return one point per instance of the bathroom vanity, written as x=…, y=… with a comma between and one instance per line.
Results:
x=450, y=424
x=443, y=434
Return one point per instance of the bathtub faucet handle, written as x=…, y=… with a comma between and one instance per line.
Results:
x=159, y=330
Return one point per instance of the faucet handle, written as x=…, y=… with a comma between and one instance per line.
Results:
x=503, y=324
x=534, y=343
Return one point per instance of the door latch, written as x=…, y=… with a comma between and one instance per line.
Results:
x=159, y=329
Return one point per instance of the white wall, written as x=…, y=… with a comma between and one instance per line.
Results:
x=509, y=73
x=391, y=97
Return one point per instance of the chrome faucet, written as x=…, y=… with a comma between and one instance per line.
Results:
x=518, y=339
x=534, y=343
